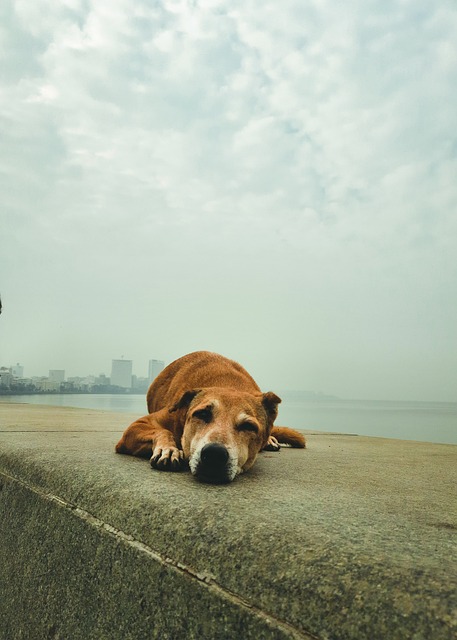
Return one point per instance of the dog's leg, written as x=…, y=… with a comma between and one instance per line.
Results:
x=165, y=454
x=284, y=435
x=148, y=438
x=272, y=445
x=288, y=436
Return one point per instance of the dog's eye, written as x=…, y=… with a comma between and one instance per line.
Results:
x=248, y=426
x=203, y=414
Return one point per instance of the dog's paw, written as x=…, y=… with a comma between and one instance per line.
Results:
x=167, y=459
x=272, y=444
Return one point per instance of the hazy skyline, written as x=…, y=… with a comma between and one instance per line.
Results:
x=276, y=182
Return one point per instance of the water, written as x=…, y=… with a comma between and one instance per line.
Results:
x=425, y=421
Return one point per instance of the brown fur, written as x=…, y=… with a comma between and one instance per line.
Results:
x=205, y=399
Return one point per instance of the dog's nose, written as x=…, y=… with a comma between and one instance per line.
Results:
x=214, y=456
x=214, y=464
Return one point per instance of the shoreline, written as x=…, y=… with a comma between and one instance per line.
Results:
x=422, y=422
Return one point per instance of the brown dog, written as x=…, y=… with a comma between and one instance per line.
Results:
x=207, y=410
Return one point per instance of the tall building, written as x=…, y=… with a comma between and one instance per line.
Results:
x=6, y=377
x=121, y=373
x=56, y=375
x=155, y=367
x=17, y=370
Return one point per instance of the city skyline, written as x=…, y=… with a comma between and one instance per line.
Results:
x=59, y=375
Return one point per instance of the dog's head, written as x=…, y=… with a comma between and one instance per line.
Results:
x=223, y=430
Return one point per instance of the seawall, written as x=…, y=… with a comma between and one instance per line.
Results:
x=353, y=538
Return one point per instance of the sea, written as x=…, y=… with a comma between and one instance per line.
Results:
x=423, y=421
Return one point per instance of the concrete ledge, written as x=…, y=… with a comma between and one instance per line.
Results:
x=354, y=538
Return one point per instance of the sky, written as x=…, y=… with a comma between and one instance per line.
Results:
x=273, y=181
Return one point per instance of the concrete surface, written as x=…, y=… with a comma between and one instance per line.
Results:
x=353, y=538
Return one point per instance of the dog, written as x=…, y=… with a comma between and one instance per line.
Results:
x=207, y=412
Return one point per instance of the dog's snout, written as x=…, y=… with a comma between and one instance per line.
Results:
x=214, y=455
x=214, y=464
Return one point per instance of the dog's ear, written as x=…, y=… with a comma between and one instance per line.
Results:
x=184, y=400
x=270, y=403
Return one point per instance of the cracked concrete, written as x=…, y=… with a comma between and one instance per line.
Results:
x=353, y=538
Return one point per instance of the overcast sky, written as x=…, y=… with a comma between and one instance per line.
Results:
x=274, y=181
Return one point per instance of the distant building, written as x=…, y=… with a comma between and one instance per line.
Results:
x=121, y=373
x=23, y=382
x=6, y=377
x=17, y=370
x=44, y=384
x=56, y=375
x=102, y=380
x=155, y=367
x=140, y=385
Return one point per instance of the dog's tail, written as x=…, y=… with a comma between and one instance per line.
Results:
x=289, y=436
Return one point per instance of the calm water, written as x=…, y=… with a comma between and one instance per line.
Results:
x=426, y=421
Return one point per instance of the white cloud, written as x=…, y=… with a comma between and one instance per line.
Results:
x=215, y=147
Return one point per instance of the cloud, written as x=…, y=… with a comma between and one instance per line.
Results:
x=294, y=164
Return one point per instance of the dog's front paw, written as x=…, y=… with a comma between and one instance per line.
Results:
x=272, y=444
x=167, y=459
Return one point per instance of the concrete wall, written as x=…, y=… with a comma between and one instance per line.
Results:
x=353, y=538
